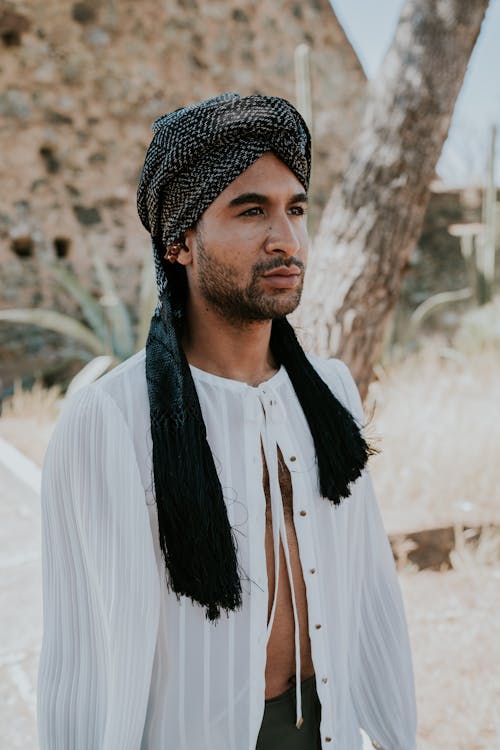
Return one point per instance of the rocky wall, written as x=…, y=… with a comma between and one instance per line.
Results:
x=81, y=84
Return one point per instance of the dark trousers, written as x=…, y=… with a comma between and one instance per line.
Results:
x=278, y=730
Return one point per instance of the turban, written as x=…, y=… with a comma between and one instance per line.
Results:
x=195, y=153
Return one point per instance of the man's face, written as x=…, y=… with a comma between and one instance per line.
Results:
x=246, y=257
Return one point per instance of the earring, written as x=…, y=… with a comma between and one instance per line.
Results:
x=173, y=251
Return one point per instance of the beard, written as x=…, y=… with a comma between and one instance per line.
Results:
x=250, y=303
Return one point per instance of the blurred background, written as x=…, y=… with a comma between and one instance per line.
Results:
x=81, y=84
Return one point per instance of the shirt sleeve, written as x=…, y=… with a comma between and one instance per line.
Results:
x=100, y=583
x=382, y=681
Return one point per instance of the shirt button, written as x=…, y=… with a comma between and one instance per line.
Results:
x=328, y=739
x=317, y=626
x=325, y=680
x=303, y=513
x=293, y=458
x=313, y=570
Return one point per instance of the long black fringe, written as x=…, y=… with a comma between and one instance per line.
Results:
x=341, y=450
x=195, y=535
x=196, y=539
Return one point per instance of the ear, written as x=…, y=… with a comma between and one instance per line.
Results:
x=185, y=257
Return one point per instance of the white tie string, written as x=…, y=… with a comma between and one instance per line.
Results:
x=274, y=413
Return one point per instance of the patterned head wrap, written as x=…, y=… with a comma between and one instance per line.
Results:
x=196, y=152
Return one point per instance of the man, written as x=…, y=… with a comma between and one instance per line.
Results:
x=216, y=573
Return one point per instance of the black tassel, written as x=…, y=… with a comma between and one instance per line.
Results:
x=195, y=535
x=341, y=449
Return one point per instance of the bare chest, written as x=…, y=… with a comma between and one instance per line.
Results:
x=280, y=664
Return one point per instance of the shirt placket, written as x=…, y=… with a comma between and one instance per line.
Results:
x=277, y=436
x=312, y=573
x=274, y=416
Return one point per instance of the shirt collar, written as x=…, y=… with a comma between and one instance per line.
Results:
x=238, y=385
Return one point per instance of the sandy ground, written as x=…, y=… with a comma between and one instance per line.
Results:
x=452, y=618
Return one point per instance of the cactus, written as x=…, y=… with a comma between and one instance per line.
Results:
x=303, y=95
x=485, y=250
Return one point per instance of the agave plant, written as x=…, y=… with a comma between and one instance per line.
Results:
x=108, y=332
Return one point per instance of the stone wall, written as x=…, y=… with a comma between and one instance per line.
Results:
x=82, y=83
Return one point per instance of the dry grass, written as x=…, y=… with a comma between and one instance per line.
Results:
x=28, y=418
x=438, y=417
x=467, y=556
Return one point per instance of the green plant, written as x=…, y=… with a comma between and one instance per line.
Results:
x=108, y=328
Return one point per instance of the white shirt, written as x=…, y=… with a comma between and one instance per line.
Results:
x=125, y=665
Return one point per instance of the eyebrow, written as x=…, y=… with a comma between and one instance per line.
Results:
x=244, y=198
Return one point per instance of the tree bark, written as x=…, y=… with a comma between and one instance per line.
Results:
x=374, y=216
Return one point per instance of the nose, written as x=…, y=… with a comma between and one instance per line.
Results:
x=283, y=237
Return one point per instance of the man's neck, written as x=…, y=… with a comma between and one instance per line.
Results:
x=239, y=351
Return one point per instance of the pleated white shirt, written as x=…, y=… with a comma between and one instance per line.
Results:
x=125, y=664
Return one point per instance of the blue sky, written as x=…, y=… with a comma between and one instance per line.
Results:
x=370, y=25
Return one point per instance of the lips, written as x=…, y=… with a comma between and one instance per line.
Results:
x=283, y=277
x=283, y=271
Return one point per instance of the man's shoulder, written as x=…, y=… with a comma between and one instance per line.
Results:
x=123, y=388
x=129, y=376
x=339, y=379
x=332, y=371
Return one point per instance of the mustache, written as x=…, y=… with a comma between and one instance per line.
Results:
x=278, y=263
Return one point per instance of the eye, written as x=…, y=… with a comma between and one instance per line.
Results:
x=301, y=210
x=248, y=211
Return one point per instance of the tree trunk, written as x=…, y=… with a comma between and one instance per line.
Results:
x=374, y=216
